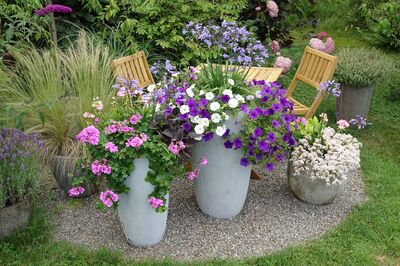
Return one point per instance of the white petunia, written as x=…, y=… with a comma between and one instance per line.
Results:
x=196, y=119
x=151, y=88
x=233, y=103
x=250, y=97
x=258, y=94
x=228, y=92
x=209, y=96
x=226, y=116
x=204, y=122
x=192, y=86
x=231, y=82
x=184, y=109
x=214, y=106
x=240, y=98
x=220, y=130
x=190, y=92
x=199, y=129
x=202, y=92
x=216, y=118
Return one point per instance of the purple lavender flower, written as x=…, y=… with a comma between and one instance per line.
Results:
x=53, y=8
x=244, y=162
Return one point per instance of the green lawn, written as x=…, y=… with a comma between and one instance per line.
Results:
x=370, y=235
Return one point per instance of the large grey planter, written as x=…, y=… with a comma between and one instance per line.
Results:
x=222, y=184
x=63, y=170
x=353, y=101
x=316, y=192
x=142, y=225
x=14, y=217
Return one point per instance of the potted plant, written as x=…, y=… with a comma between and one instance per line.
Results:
x=47, y=93
x=129, y=159
x=322, y=161
x=19, y=177
x=358, y=71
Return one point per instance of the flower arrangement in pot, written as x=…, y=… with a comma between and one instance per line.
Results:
x=20, y=173
x=128, y=157
x=358, y=71
x=322, y=161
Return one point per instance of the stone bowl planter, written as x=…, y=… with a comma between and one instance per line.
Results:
x=63, y=170
x=353, y=101
x=221, y=187
x=15, y=217
x=316, y=191
x=142, y=225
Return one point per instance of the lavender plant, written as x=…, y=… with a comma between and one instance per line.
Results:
x=19, y=164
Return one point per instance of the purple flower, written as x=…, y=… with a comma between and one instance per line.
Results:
x=53, y=8
x=193, y=111
x=204, y=113
x=292, y=141
x=225, y=98
x=225, y=135
x=253, y=114
x=359, y=121
x=168, y=110
x=203, y=102
x=259, y=156
x=277, y=107
x=271, y=137
x=191, y=102
x=331, y=87
x=263, y=145
x=244, y=162
x=244, y=108
x=228, y=144
x=269, y=112
x=258, y=132
x=279, y=157
x=275, y=123
x=208, y=136
x=186, y=126
x=269, y=166
x=184, y=117
x=237, y=143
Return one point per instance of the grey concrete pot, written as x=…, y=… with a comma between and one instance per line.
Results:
x=353, y=101
x=316, y=191
x=14, y=217
x=63, y=169
x=222, y=184
x=142, y=225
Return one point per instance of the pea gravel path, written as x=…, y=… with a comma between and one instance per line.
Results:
x=271, y=220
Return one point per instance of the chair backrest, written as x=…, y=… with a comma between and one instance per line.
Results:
x=315, y=67
x=134, y=67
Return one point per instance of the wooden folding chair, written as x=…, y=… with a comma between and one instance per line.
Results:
x=134, y=67
x=315, y=67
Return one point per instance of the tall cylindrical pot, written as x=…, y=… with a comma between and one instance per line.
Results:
x=353, y=101
x=222, y=184
x=142, y=225
x=316, y=191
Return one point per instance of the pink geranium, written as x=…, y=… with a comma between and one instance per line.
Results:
x=273, y=9
x=155, y=203
x=203, y=161
x=134, y=142
x=283, y=62
x=193, y=174
x=100, y=168
x=135, y=118
x=342, y=124
x=108, y=198
x=76, y=191
x=111, y=147
x=89, y=135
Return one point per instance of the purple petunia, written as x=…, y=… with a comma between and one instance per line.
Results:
x=225, y=98
x=237, y=143
x=244, y=108
x=228, y=144
x=186, y=126
x=258, y=132
x=253, y=114
x=275, y=123
x=263, y=145
x=271, y=137
x=203, y=102
x=208, y=136
x=244, y=162
x=269, y=166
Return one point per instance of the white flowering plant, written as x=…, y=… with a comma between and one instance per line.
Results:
x=323, y=152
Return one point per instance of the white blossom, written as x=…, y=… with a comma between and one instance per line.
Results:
x=184, y=109
x=233, y=103
x=228, y=92
x=202, y=92
x=209, y=96
x=214, y=106
x=220, y=130
x=190, y=92
x=231, y=82
x=215, y=118
x=258, y=94
x=199, y=129
x=204, y=122
x=240, y=98
x=151, y=87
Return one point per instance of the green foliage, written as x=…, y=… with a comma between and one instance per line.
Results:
x=56, y=89
x=19, y=24
x=362, y=67
x=383, y=21
x=159, y=21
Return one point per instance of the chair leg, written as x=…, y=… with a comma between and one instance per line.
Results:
x=254, y=175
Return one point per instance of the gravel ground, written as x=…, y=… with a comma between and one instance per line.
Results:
x=271, y=220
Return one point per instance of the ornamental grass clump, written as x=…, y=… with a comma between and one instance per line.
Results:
x=323, y=152
x=20, y=168
x=362, y=67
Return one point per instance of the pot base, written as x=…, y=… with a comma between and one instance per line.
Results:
x=14, y=217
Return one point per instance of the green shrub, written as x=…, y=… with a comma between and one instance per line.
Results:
x=48, y=93
x=20, y=166
x=362, y=67
x=383, y=22
x=393, y=86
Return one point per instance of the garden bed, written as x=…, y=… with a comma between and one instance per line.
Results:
x=272, y=219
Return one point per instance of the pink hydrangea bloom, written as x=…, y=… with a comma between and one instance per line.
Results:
x=283, y=62
x=342, y=124
x=90, y=135
x=203, y=161
x=144, y=136
x=134, y=142
x=76, y=191
x=329, y=46
x=111, y=147
x=135, y=118
x=273, y=9
x=192, y=175
x=317, y=44
x=155, y=203
x=108, y=198
x=275, y=46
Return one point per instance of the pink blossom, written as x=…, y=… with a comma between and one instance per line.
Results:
x=301, y=120
x=322, y=35
x=317, y=44
x=275, y=46
x=144, y=136
x=111, y=147
x=88, y=115
x=53, y=8
x=181, y=145
x=155, y=203
x=97, y=120
x=135, y=118
x=134, y=142
x=108, y=198
x=283, y=62
x=192, y=175
x=258, y=8
x=173, y=148
x=124, y=129
x=106, y=169
x=203, y=161
x=329, y=46
x=96, y=168
x=90, y=135
x=342, y=124
x=273, y=9
x=98, y=105
x=76, y=191
x=110, y=129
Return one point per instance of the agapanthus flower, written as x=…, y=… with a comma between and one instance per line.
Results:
x=76, y=191
x=108, y=198
x=359, y=121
